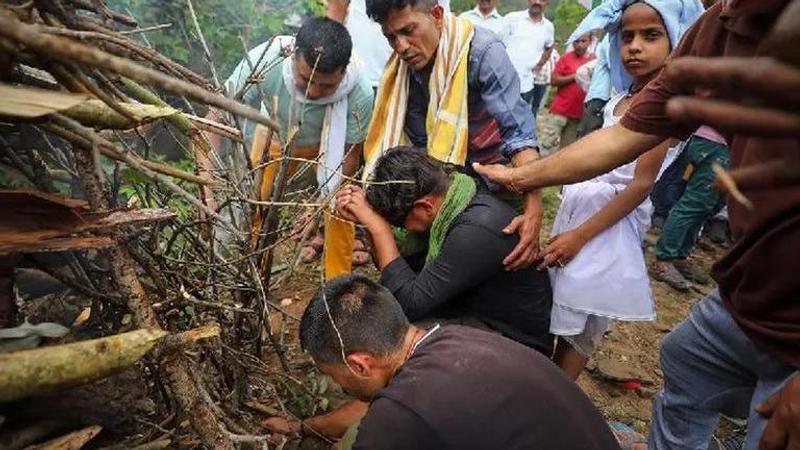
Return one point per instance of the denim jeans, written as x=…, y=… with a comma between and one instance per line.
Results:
x=710, y=368
x=539, y=90
x=699, y=201
x=670, y=186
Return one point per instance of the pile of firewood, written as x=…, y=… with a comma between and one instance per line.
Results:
x=76, y=89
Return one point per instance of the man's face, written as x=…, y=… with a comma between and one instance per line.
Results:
x=321, y=84
x=487, y=6
x=537, y=7
x=361, y=380
x=581, y=45
x=414, y=34
x=422, y=214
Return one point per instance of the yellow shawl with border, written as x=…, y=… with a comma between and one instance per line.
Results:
x=446, y=123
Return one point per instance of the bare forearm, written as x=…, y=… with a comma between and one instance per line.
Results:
x=543, y=59
x=383, y=244
x=335, y=423
x=619, y=207
x=532, y=200
x=647, y=167
x=596, y=153
x=352, y=159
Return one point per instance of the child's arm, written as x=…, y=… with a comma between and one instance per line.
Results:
x=563, y=247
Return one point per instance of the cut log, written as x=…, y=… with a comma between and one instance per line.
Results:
x=30, y=103
x=72, y=441
x=33, y=221
x=96, y=114
x=35, y=371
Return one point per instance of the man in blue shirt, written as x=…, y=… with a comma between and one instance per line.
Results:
x=501, y=126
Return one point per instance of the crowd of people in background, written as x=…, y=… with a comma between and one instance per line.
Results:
x=459, y=342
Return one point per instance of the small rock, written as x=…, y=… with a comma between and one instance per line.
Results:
x=663, y=328
x=617, y=372
x=286, y=302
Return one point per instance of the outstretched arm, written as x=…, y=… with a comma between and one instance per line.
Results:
x=593, y=155
x=563, y=247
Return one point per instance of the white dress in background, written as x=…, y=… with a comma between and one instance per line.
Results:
x=608, y=278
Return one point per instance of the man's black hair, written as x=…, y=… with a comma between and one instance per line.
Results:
x=367, y=316
x=379, y=10
x=327, y=39
x=422, y=175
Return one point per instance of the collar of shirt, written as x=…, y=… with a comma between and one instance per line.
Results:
x=492, y=15
x=422, y=76
x=541, y=19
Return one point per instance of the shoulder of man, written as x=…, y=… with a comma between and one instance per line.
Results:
x=483, y=38
x=258, y=58
x=361, y=96
x=488, y=211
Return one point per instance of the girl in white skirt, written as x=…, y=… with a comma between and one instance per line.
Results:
x=595, y=257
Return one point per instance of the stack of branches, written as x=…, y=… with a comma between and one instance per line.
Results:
x=79, y=109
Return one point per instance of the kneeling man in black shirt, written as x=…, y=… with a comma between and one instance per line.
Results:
x=447, y=387
x=448, y=262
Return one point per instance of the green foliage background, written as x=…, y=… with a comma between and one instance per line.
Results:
x=222, y=23
x=226, y=23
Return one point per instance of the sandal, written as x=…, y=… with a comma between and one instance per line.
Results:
x=665, y=271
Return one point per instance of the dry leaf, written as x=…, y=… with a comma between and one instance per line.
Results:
x=82, y=317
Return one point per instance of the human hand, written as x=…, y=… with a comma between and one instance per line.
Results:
x=783, y=409
x=758, y=96
x=289, y=428
x=352, y=204
x=498, y=173
x=561, y=249
x=336, y=9
x=528, y=226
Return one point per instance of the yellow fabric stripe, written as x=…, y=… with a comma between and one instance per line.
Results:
x=339, y=242
x=446, y=121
